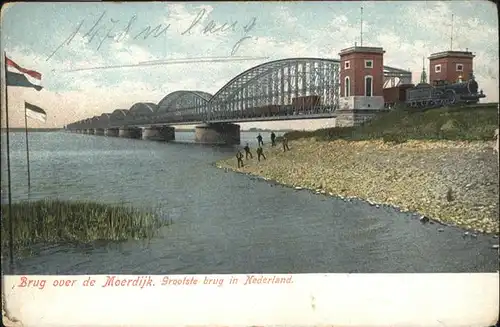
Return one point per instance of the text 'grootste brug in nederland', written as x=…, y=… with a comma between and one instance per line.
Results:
x=145, y=281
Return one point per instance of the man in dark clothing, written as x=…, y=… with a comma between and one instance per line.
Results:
x=260, y=153
x=273, y=139
x=259, y=139
x=285, y=144
x=239, y=157
x=247, y=152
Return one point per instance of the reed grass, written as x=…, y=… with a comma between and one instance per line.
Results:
x=56, y=221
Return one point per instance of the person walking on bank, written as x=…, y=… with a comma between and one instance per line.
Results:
x=247, y=152
x=260, y=153
x=239, y=157
x=273, y=139
x=285, y=144
x=259, y=139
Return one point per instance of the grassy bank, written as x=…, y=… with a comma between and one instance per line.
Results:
x=439, y=163
x=54, y=221
x=456, y=123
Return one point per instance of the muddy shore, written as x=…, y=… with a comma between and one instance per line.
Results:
x=455, y=183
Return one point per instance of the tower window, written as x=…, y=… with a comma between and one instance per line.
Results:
x=437, y=68
x=368, y=86
x=347, y=64
x=368, y=63
x=460, y=68
x=347, y=87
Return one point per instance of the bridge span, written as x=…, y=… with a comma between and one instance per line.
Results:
x=299, y=116
x=286, y=89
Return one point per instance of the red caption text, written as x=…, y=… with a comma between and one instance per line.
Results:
x=145, y=281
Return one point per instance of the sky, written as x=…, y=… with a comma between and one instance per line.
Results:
x=58, y=38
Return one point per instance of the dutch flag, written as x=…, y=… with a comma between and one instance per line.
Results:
x=35, y=112
x=19, y=76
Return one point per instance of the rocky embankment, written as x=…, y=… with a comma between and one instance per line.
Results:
x=455, y=183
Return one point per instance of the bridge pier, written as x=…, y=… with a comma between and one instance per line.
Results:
x=218, y=133
x=111, y=132
x=350, y=118
x=355, y=110
x=86, y=131
x=130, y=132
x=158, y=133
x=91, y=131
x=99, y=131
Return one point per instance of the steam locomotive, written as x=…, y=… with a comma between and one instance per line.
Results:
x=441, y=93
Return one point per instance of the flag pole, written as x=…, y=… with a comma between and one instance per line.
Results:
x=27, y=145
x=11, y=234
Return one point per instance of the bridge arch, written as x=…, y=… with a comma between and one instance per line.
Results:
x=104, y=117
x=277, y=83
x=119, y=114
x=94, y=121
x=184, y=102
x=102, y=120
x=87, y=122
x=143, y=109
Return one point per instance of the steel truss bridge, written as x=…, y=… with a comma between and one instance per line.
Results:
x=273, y=84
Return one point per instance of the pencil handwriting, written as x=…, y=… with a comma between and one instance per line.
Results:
x=108, y=30
x=212, y=28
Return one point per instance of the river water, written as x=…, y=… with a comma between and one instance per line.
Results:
x=223, y=222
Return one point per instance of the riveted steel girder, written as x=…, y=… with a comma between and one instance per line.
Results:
x=277, y=83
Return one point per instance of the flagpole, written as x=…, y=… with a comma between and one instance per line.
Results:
x=11, y=234
x=27, y=145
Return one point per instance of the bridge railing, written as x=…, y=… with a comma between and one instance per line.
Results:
x=282, y=112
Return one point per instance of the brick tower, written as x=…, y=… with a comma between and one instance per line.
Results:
x=450, y=66
x=361, y=84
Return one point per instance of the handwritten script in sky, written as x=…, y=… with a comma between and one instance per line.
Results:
x=106, y=29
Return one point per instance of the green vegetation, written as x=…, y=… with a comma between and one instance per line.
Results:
x=55, y=221
x=449, y=123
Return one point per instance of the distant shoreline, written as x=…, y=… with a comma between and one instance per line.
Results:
x=21, y=129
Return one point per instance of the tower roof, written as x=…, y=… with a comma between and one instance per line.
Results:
x=357, y=49
x=455, y=54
